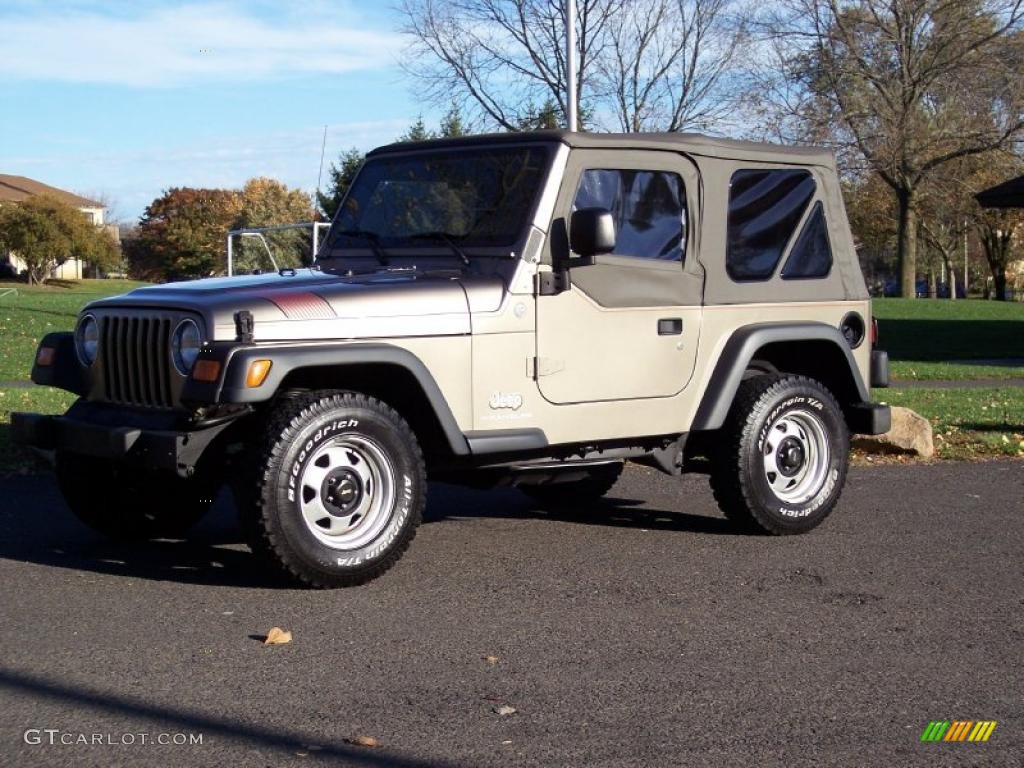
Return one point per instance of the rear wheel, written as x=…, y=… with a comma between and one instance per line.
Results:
x=337, y=492
x=782, y=455
x=596, y=483
x=130, y=503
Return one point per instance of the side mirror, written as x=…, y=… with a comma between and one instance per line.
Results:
x=592, y=232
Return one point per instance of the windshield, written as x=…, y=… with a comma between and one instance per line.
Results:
x=467, y=198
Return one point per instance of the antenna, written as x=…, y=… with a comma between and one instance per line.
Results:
x=320, y=173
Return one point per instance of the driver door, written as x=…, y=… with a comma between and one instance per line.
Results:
x=628, y=326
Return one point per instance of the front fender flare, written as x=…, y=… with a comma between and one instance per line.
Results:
x=287, y=358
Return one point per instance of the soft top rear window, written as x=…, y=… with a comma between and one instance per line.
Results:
x=765, y=207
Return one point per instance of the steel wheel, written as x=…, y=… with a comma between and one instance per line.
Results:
x=347, y=492
x=796, y=456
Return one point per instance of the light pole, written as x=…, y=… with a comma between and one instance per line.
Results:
x=570, y=62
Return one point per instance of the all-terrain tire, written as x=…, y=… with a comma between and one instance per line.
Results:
x=782, y=455
x=130, y=503
x=596, y=484
x=365, y=463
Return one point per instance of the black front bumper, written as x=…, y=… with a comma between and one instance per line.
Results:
x=175, y=450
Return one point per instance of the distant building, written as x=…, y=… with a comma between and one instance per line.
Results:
x=16, y=189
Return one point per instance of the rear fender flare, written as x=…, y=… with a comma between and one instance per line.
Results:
x=743, y=346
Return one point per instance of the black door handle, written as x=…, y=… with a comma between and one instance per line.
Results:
x=670, y=326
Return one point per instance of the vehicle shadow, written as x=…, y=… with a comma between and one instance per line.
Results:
x=212, y=727
x=36, y=527
x=614, y=511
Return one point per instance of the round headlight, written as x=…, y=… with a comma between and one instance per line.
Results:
x=87, y=339
x=185, y=346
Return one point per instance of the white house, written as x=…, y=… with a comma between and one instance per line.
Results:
x=15, y=189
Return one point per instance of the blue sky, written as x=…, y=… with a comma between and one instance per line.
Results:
x=124, y=99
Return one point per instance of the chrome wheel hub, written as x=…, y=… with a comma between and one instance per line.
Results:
x=347, y=492
x=796, y=456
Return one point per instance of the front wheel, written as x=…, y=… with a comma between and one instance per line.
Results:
x=338, y=491
x=782, y=455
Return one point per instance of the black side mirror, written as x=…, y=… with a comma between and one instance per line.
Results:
x=592, y=232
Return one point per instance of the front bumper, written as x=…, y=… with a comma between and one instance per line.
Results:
x=174, y=450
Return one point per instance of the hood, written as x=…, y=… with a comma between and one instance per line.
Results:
x=316, y=305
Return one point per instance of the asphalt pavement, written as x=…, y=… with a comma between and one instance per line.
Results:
x=647, y=634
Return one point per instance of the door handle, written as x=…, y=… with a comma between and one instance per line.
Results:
x=670, y=326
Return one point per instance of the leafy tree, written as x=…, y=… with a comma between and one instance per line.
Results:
x=181, y=234
x=417, y=132
x=45, y=232
x=340, y=179
x=452, y=124
x=264, y=203
x=540, y=118
x=905, y=86
x=871, y=210
x=999, y=231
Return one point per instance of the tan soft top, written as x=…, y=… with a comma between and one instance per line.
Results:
x=692, y=143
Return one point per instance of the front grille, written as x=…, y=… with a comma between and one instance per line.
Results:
x=135, y=352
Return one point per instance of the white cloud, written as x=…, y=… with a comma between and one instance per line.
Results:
x=134, y=178
x=168, y=47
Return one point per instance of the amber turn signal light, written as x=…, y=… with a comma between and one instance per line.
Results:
x=206, y=370
x=45, y=356
x=257, y=374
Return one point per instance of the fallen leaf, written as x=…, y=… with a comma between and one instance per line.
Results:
x=363, y=741
x=504, y=710
x=490, y=659
x=277, y=636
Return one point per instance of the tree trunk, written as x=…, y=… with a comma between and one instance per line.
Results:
x=999, y=278
x=907, y=243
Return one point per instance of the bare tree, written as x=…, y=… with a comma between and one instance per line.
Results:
x=666, y=64
x=642, y=64
x=906, y=86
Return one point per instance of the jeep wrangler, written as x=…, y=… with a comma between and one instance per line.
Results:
x=526, y=309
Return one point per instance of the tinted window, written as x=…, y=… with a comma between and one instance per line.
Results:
x=476, y=197
x=648, y=208
x=812, y=254
x=764, y=209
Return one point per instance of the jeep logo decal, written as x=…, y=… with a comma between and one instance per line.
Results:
x=511, y=400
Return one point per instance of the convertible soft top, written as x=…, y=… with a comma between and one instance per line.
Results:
x=693, y=143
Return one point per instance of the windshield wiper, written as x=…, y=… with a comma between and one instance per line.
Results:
x=445, y=238
x=370, y=237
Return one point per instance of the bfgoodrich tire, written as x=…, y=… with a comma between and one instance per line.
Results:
x=131, y=503
x=782, y=455
x=338, y=490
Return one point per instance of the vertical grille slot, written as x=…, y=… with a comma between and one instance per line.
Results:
x=135, y=360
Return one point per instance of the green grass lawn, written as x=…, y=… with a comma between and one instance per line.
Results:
x=967, y=423
x=939, y=330
x=33, y=311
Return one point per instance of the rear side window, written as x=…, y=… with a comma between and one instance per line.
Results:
x=812, y=254
x=765, y=207
x=648, y=207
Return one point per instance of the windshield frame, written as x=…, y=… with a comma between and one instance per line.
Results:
x=549, y=150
